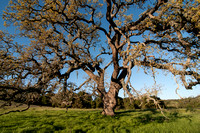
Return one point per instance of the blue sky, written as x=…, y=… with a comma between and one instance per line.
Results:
x=139, y=79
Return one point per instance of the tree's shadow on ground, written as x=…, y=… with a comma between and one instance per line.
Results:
x=142, y=117
x=126, y=112
x=153, y=115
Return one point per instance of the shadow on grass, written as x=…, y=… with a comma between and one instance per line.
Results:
x=127, y=112
x=153, y=115
x=148, y=118
x=58, y=128
x=175, y=115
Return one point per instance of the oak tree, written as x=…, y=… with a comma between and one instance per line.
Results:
x=94, y=35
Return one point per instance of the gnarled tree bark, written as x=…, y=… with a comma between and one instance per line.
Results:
x=110, y=99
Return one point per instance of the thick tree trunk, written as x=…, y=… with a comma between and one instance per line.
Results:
x=110, y=100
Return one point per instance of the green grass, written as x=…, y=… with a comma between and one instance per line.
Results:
x=40, y=119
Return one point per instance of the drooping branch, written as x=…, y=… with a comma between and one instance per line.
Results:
x=28, y=106
x=174, y=71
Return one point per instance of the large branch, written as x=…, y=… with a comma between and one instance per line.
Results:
x=109, y=14
x=133, y=25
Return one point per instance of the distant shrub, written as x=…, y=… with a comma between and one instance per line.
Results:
x=98, y=102
x=120, y=103
x=128, y=104
x=143, y=103
x=93, y=104
x=45, y=100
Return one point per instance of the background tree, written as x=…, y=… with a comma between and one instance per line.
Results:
x=69, y=35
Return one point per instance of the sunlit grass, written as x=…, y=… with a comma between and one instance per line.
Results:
x=44, y=119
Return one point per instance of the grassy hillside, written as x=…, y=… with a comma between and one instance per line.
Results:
x=45, y=119
x=191, y=102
